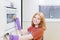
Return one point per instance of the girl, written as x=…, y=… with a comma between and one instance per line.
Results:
x=37, y=28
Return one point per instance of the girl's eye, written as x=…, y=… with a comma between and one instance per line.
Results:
x=38, y=18
x=34, y=17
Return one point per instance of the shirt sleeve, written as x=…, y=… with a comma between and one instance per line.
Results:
x=37, y=33
x=29, y=29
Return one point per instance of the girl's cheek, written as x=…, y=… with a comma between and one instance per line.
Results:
x=34, y=21
x=38, y=21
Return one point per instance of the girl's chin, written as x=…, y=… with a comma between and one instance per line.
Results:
x=35, y=24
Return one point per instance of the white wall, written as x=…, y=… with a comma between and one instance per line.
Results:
x=53, y=31
x=49, y=2
x=29, y=8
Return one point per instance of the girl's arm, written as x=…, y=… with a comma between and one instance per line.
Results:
x=23, y=31
x=26, y=37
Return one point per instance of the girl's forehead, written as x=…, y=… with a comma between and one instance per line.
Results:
x=37, y=16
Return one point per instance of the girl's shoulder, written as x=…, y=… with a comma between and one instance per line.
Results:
x=30, y=28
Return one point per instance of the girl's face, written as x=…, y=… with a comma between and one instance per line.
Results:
x=36, y=19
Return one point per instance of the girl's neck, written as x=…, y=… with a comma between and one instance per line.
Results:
x=36, y=25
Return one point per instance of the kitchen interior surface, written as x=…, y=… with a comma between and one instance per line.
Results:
x=50, y=8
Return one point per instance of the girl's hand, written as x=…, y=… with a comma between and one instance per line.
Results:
x=23, y=31
x=21, y=38
x=26, y=37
